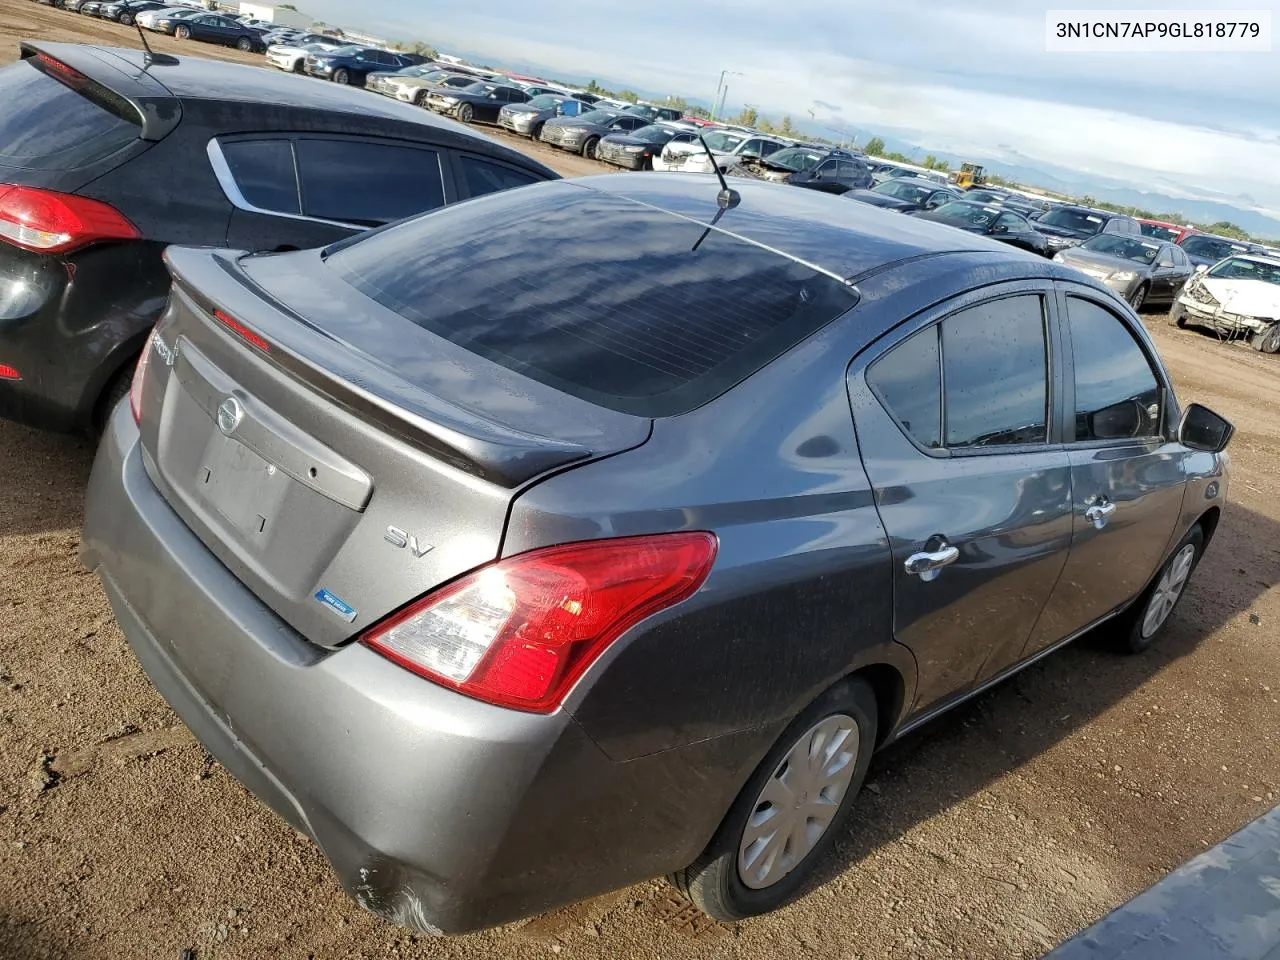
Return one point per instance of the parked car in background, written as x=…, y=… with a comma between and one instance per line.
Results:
x=1141, y=270
x=653, y=114
x=581, y=134
x=881, y=171
x=125, y=12
x=1162, y=230
x=621, y=452
x=816, y=168
x=292, y=57
x=527, y=119
x=728, y=150
x=1070, y=225
x=103, y=170
x=906, y=194
x=383, y=81
x=636, y=150
x=147, y=19
x=211, y=28
x=477, y=103
x=989, y=220
x=415, y=90
x=1237, y=297
x=91, y=8
x=1206, y=249
x=351, y=65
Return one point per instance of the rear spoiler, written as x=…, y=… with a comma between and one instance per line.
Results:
x=113, y=79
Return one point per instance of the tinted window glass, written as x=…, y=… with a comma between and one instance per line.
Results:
x=45, y=125
x=367, y=183
x=908, y=381
x=1117, y=395
x=264, y=172
x=1012, y=223
x=995, y=374
x=484, y=177
x=601, y=297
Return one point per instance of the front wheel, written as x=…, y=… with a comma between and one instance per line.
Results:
x=244, y=45
x=790, y=812
x=1267, y=341
x=126, y=19
x=342, y=77
x=1178, y=315
x=1142, y=624
x=589, y=148
x=466, y=113
x=182, y=33
x=1138, y=298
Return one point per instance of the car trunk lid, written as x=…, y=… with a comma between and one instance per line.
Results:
x=340, y=460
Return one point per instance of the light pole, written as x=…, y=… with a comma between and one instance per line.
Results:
x=717, y=104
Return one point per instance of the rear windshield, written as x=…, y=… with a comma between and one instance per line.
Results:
x=45, y=124
x=611, y=301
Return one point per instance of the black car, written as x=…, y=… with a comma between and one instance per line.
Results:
x=102, y=171
x=481, y=101
x=990, y=220
x=213, y=28
x=127, y=11
x=351, y=65
x=818, y=168
x=635, y=150
x=1206, y=249
x=905, y=194
x=1069, y=225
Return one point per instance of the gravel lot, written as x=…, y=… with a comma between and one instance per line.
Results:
x=996, y=832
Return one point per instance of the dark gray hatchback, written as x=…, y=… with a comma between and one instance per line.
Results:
x=586, y=533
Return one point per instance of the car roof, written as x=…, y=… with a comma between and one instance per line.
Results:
x=842, y=239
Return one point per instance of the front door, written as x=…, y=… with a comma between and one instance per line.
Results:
x=955, y=426
x=1127, y=468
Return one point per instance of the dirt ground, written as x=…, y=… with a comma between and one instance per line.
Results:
x=994, y=833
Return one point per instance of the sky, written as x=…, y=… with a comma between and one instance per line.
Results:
x=969, y=77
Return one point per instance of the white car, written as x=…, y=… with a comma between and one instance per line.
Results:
x=148, y=18
x=728, y=150
x=290, y=57
x=1238, y=297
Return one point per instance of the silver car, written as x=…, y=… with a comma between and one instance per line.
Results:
x=600, y=530
x=527, y=119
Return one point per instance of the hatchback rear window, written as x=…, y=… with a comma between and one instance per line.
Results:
x=609, y=300
x=45, y=124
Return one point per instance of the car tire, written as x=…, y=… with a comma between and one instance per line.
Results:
x=1142, y=624
x=536, y=133
x=589, y=148
x=715, y=881
x=1267, y=341
x=420, y=99
x=182, y=32
x=1178, y=315
x=341, y=76
x=1138, y=298
x=244, y=45
x=466, y=113
x=298, y=67
x=126, y=20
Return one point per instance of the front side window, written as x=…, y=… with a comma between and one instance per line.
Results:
x=995, y=374
x=1117, y=395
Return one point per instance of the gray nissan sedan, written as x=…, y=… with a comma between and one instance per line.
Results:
x=603, y=529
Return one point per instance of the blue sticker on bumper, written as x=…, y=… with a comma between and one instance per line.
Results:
x=337, y=605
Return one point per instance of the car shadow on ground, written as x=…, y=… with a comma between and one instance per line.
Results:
x=25, y=937
x=42, y=480
x=999, y=731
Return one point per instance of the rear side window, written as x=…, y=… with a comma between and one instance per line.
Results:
x=908, y=381
x=264, y=173
x=368, y=184
x=47, y=125
x=603, y=298
x=1117, y=395
x=485, y=177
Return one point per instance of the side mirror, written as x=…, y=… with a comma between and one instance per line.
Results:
x=1118, y=421
x=1202, y=429
x=1201, y=268
x=998, y=229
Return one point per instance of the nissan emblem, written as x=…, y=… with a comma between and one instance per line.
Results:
x=230, y=413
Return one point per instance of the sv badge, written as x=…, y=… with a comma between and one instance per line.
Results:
x=407, y=541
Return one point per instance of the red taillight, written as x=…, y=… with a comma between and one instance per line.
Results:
x=241, y=331
x=50, y=222
x=139, y=375
x=9, y=373
x=520, y=632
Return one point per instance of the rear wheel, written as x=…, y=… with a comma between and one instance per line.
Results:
x=1140, y=626
x=244, y=45
x=790, y=812
x=420, y=99
x=341, y=76
x=589, y=148
x=1267, y=341
x=465, y=113
x=182, y=33
x=298, y=67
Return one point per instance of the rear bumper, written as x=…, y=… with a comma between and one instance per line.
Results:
x=436, y=811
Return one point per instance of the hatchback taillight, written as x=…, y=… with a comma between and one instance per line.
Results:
x=49, y=222
x=139, y=375
x=520, y=632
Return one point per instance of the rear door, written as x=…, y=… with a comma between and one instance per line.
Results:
x=954, y=414
x=1127, y=468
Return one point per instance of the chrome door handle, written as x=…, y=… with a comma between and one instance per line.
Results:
x=927, y=564
x=1100, y=513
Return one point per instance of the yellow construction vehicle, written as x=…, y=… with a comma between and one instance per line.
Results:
x=970, y=175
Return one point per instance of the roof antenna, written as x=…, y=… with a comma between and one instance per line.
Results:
x=152, y=57
x=727, y=197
